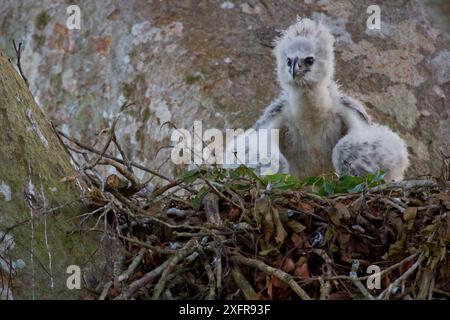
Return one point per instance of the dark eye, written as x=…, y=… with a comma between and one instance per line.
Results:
x=309, y=61
x=289, y=62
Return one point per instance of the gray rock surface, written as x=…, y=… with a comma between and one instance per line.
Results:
x=211, y=60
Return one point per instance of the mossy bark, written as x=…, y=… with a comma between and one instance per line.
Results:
x=38, y=207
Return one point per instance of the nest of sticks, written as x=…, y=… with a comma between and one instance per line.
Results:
x=229, y=234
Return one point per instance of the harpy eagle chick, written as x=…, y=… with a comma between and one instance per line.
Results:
x=368, y=147
x=306, y=111
x=313, y=115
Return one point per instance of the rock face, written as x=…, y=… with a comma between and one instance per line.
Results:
x=212, y=61
x=39, y=203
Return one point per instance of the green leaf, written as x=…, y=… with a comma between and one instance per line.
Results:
x=282, y=181
x=328, y=187
x=357, y=188
x=198, y=199
x=312, y=181
x=238, y=186
x=244, y=171
x=379, y=177
x=190, y=176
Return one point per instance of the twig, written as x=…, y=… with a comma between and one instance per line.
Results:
x=219, y=270
x=242, y=283
x=209, y=272
x=18, y=50
x=363, y=289
x=426, y=283
x=152, y=218
x=137, y=242
x=211, y=205
x=393, y=204
x=283, y=276
x=125, y=275
x=136, y=186
x=125, y=105
x=122, y=153
x=105, y=155
x=431, y=290
x=382, y=273
x=404, y=185
x=168, y=186
x=325, y=286
x=442, y=292
x=152, y=275
x=402, y=277
x=220, y=194
x=172, y=262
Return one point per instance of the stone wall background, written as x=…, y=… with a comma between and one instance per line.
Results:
x=211, y=60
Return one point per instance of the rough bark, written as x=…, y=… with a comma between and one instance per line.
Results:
x=38, y=207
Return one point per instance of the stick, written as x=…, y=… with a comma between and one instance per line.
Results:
x=363, y=289
x=242, y=283
x=402, y=277
x=125, y=275
x=18, y=50
x=407, y=184
x=211, y=205
x=325, y=286
x=152, y=275
x=152, y=218
x=93, y=150
x=382, y=273
x=211, y=281
x=172, y=262
x=111, y=134
x=168, y=186
x=283, y=276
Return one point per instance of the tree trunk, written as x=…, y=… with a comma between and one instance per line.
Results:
x=38, y=204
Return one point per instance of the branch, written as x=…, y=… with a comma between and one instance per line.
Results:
x=242, y=283
x=406, y=184
x=283, y=276
x=152, y=275
x=125, y=275
x=18, y=50
x=105, y=155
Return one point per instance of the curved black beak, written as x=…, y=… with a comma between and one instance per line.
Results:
x=294, y=64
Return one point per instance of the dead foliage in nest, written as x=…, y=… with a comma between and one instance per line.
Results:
x=229, y=234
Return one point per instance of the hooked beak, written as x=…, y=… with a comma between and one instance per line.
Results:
x=294, y=64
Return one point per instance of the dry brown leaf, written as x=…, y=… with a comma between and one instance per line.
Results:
x=262, y=206
x=280, y=233
x=303, y=206
x=410, y=213
x=342, y=211
x=333, y=215
x=395, y=221
x=288, y=265
x=268, y=226
x=297, y=240
x=295, y=226
x=277, y=283
x=302, y=271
